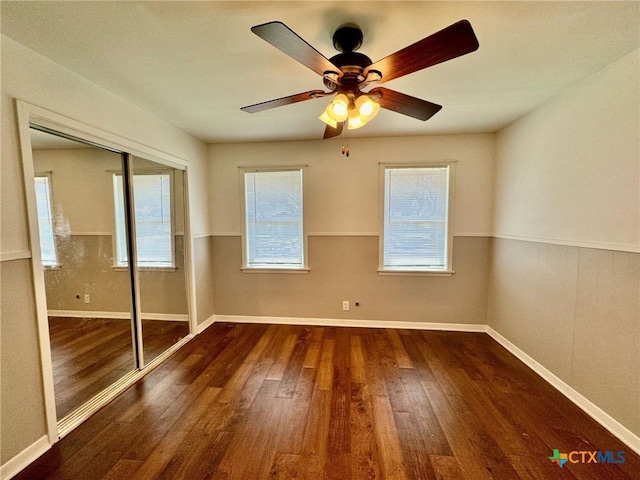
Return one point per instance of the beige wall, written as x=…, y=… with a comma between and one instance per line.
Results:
x=343, y=193
x=21, y=408
x=345, y=268
x=342, y=218
x=86, y=267
x=203, y=272
x=568, y=172
x=30, y=77
x=576, y=311
x=567, y=177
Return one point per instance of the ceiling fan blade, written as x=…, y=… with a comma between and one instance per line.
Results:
x=454, y=41
x=280, y=102
x=330, y=132
x=289, y=42
x=405, y=104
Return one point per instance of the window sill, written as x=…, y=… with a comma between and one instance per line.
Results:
x=417, y=273
x=119, y=268
x=274, y=270
x=52, y=267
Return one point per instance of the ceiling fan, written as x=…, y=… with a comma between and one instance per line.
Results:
x=349, y=72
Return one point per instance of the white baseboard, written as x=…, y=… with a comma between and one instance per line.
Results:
x=167, y=317
x=347, y=322
x=24, y=458
x=201, y=327
x=603, y=418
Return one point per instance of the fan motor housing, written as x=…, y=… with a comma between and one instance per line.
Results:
x=352, y=65
x=346, y=39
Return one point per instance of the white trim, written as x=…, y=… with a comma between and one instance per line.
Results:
x=349, y=322
x=417, y=273
x=25, y=111
x=450, y=165
x=99, y=137
x=472, y=234
x=344, y=234
x=16, y=255
x=274, y=270
x=87, y=234
x=201, y=327
x=603, y=418
x=188, y=254
x=305, y=214
x=339, y=234
x=621, y=247
x=169, y=317
x=27, y=456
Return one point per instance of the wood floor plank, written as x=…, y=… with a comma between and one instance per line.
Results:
x=285, y=467
x=293, y=370
x=313, y=457
x=313, y=352
x=256, y=402
x=392, y=375
x=358, y=364
x=291, y=436
x=364, y=462
x=324, y=377
x=252, y=451
x=391, y=459
x=402, y=357
x=276, y=371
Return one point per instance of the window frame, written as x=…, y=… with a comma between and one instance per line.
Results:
x=56, y=262
x=448, y=268
x=117, y=265
x=245, y=267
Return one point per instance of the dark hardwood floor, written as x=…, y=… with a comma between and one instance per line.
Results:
x=89, y=354
x=243, y=401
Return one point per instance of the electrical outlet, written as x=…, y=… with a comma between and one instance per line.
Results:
x=87, y=298
x=345, y=305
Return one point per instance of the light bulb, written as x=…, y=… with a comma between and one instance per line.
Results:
x=355, y=120
x=339, y=108
x=367, y=107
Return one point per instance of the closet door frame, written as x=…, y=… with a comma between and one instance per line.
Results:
x=31, y=115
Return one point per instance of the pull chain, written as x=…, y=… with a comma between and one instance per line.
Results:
x=345, y=150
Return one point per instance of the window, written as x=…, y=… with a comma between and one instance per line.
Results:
x=416, y=219
x=45, y=220
x=153, y=220
x=274, y=229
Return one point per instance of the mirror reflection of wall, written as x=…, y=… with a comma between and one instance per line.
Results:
x=83, y=231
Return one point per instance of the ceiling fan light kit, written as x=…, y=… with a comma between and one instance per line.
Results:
x=346, y=74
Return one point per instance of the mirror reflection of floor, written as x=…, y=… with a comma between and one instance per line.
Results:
x=90, y=354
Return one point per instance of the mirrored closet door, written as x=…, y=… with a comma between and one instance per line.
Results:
x=107, y=318
x=158, y=198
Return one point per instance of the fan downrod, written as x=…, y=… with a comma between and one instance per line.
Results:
x=347, y=38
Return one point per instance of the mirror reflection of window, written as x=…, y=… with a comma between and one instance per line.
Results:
x=153, y=218
x=45, y=220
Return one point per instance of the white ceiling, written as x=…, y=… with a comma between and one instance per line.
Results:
x=195, y=64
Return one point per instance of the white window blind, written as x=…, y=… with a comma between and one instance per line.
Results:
x=274, y=231
x=45, y=220
x=416, y=218
x=152, y=200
